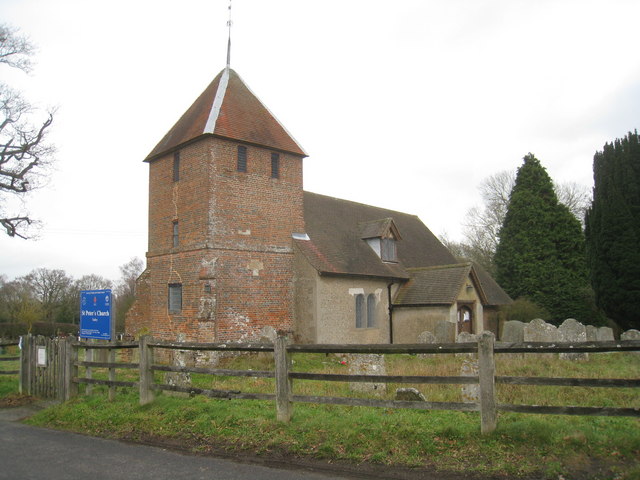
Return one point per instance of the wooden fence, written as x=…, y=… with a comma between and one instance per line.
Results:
x=8, y=343
x=486, y=348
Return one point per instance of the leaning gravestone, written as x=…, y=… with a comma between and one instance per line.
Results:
x=540, y=331
x=572, y=331
x=631, y=335
x=367, y=364
x=470, y=392
x=445, y=332
x=410, y=395
x=428, y=338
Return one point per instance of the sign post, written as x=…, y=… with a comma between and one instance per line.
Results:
x=96, y=319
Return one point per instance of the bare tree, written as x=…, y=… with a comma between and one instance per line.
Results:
x=482, y=223
x=24, y=153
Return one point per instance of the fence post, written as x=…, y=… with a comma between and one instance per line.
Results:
x=70, y=370
x=146, y=374
x=486, y=374
x=25, y=365
x=88, y=356
x=112, y=374
x=283, y=382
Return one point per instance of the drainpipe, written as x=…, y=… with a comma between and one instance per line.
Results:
x=390, y=313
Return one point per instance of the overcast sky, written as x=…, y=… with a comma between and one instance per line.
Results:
x=401, y=104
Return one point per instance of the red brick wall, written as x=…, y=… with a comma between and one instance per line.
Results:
x=235, y=237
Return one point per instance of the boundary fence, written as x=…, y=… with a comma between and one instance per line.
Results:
x=9, y=343
x=486, y=348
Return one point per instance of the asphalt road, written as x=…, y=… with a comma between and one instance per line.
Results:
x=40, y=454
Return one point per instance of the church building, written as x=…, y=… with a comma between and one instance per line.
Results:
x=237, y=249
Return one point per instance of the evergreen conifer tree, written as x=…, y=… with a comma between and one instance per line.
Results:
x=613, y=231
x=540, y=255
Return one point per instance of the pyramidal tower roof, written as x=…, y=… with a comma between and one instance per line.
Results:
x=228, y=108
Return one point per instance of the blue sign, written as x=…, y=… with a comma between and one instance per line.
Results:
x=95, y=314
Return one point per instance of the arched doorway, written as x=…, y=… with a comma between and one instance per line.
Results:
x=465, y=319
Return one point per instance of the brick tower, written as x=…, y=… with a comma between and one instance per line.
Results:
x=225, y=199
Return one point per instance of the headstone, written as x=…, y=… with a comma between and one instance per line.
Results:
x=410, y=395
x=538, y=330
x=592, y=333
x=466, y=337
x=181, y=358
x=426, y=337
x=631, y=335
x=470, y=392
x=445, y=332
x=513, y=332
x=572, y=330
x=367, y=364
x=605, y=334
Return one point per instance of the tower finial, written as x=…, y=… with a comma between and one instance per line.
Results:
x=229, y=23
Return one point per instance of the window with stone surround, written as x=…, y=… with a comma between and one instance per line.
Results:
x=175, y=298
x=371, y=310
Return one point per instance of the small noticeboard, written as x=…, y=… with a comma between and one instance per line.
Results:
x=96, y=320
x=42, y=356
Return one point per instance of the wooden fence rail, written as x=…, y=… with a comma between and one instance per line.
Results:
x=9, y=343
x=486, y=349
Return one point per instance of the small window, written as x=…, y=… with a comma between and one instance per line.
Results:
x=176, y=166
x=242, y=158
x=175, y=297
x=388, y=250
x=371, y=310
x=275, y=165
x=176, y=238
x=360, y=311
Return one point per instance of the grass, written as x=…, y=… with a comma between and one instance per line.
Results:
x=522, y=445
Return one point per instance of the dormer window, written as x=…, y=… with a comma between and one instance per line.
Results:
x=388, y=249
x=382, y=235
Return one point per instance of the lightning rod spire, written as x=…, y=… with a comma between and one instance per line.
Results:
x=229, y=23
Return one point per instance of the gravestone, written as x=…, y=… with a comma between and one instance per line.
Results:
x=513, y=332
x=572, y=331
x=410, y=395
x=538, y=330
x=632, y=334
x=181, y=358
x=470, y=393
x=592, y=333
x=367, y=364
x=445, y=332
x=426, y=337
x=605, y=334
x=466, y=337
